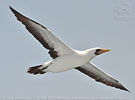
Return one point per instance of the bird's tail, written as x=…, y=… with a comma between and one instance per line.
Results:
x=35, y=70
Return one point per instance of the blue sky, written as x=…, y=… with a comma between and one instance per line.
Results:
x=81, y=24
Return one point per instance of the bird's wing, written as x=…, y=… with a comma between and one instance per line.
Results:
x=92, y=71
x=55, y=46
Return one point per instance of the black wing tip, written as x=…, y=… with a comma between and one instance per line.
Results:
x=10, y=7
x=123, y=88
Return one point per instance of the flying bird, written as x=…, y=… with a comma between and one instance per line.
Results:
x=64, y=57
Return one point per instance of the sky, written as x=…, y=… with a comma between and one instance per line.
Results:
x=81, y=24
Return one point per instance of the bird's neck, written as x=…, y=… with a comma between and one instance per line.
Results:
x=89, y=54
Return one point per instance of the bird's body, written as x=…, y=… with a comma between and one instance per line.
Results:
x=64, y=57
x=67, y=62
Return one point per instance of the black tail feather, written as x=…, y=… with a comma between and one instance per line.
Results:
x=35, y=70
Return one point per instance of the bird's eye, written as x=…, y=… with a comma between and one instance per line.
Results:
x=97, y=50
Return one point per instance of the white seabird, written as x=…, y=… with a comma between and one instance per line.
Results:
x=64, y=57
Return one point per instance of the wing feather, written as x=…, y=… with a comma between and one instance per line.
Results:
x=55, y=46
x=92, y=71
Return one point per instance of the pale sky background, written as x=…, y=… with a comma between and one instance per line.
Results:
x=81, y=24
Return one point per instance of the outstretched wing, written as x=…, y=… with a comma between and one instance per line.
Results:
x=92, y=71
x=55, y=46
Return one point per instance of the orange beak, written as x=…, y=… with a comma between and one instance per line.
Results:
x=103, y=51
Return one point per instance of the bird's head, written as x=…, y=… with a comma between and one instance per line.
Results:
x=97, y=51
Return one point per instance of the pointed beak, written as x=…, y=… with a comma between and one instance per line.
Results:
x=103, y=51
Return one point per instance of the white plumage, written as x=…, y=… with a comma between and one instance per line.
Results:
x=64, y=57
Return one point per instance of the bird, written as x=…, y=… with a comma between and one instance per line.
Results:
x=65, y=58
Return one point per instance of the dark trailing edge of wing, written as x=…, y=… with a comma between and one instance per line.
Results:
x=108, y=83
x=34, y=32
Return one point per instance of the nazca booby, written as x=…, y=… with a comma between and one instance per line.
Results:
x=64, y=57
